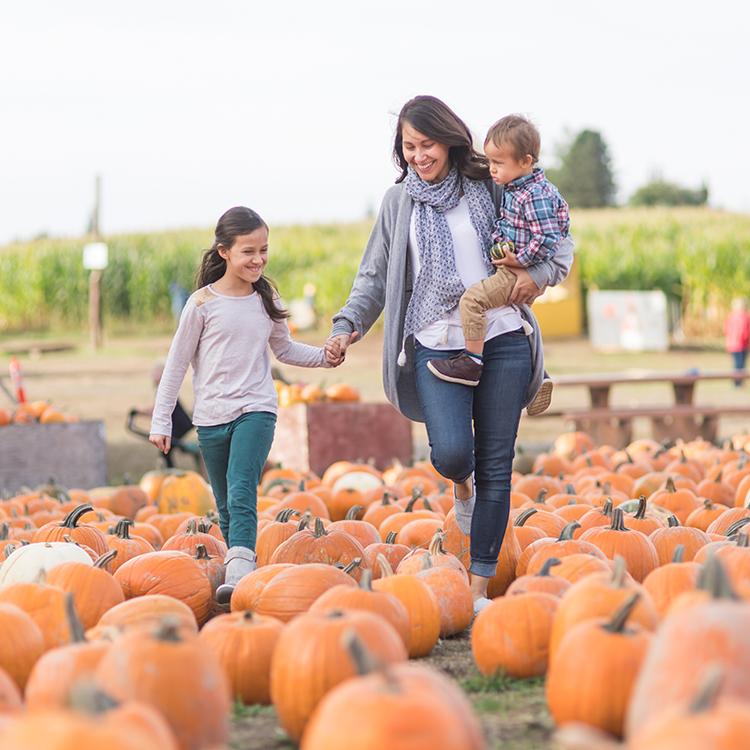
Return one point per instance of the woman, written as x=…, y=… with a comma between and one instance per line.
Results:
x=429, y=242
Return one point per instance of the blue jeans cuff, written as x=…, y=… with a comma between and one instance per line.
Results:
x=486, y=570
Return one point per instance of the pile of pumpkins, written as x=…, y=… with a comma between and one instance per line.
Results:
x=310, y=393
x=35, y=412
x=624, y=577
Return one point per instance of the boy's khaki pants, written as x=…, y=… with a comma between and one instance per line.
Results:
x=486, y=294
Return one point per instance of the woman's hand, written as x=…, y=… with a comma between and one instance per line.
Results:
x=162, y=442
x=336, y=346
x=525, y=290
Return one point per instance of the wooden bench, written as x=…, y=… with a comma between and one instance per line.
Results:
x=613, y=425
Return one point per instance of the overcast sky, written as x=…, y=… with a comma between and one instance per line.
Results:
x=187, y=108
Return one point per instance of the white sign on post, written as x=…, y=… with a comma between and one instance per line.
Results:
x=95, y=256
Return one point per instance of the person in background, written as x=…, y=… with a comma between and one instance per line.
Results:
x=737, y=334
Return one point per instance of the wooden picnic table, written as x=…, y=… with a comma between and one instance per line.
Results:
x=681, y=419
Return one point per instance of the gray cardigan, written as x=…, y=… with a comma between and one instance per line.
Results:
x=384, y=280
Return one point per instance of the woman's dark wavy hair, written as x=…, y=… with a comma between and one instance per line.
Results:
x=233, y=223
x=438, y=121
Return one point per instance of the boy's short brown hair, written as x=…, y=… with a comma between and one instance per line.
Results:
x=517, y=131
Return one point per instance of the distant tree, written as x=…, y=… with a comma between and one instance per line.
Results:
x=659, y=192
x=584, y=176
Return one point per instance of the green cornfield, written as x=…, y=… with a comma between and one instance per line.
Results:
x=698, y=257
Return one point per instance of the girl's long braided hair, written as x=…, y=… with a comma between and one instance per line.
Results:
x=233, y=223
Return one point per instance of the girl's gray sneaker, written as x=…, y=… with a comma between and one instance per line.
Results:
x=239, y=562
x=464, y=509
x=480, y=604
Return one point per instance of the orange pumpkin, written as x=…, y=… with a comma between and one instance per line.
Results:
x=172, y=573
x=243, y=644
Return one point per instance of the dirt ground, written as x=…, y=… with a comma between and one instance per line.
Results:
x=513, y=712
x=105, y=384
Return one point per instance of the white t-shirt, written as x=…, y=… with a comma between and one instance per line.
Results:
x=226, y=339
x=447, y=333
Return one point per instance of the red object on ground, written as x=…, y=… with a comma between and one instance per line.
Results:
x=737, y=331
x=16, y=377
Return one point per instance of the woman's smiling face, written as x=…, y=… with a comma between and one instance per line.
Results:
x=428, y=158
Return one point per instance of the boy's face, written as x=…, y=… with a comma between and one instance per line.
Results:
x=505, y=165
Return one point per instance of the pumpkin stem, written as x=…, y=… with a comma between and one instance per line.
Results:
x=742, y=539
x=607, y=507
x=550, y=562
x=105, y=559
x=618, y=572
x=77, y=634
x=640, y=513
x=436, y=543
x=354, y=513
x=620, y=617
x=570, y=489
x=201, y=553
x=541, y=495
x=416, y=494
x=391, y=537
x=353, y=565
x=385, y=567
x=284, y=515
x=71, y=520
x=708, y=690
x=733, y=528
x=427, y=505
x=618, y=521
x=568, y=530
x=679, y=553
x=86, y=697
x=364, y=661
x=4, y=528
x=713, y=578
x=670, y=485
x=365, y=581
x=304, y=522
x=319, y=529
x=524, y=516
x=386, y=499
x=673, y=521
x=122, y=529
x=168, y=630
x=247, y=616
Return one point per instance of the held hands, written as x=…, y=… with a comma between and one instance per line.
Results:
x=525, y=290
x=162, y=442
x=336, y=346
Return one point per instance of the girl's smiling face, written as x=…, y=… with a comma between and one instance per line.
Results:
x=428, y=158
x=247, y=257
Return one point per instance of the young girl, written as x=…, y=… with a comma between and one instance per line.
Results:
x=225, y=330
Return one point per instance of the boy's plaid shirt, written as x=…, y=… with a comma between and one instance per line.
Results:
x=534, y=216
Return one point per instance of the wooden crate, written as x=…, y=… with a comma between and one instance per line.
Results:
x=313, y=436
x=73, y=455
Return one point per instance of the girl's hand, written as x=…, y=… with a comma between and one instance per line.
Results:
x=333, y=354
x=162, y=442
x=525, y=290
x=338, y=346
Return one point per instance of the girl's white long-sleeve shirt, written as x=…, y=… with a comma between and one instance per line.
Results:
x=226, y=340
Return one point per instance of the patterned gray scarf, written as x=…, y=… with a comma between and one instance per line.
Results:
x=438, y=286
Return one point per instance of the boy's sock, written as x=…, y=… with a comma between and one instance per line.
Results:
x=478, y=358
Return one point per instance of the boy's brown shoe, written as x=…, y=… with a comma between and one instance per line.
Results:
x=460, y=368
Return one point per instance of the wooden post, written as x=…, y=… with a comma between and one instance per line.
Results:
x=95, y=276
x=95, y=308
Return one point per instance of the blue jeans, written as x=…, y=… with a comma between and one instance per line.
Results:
x=738, y=360
x=487, y=449
x=234, y=454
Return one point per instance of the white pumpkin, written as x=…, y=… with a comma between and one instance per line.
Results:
x=357, y=480
x=25, y=564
